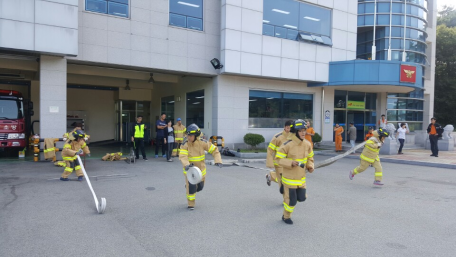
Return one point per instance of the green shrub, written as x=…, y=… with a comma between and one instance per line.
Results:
x=253, y=139
x=316, y=138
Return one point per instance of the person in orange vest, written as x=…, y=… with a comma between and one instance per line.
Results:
x=310, y=132
x=338, y=130
x=369, y=134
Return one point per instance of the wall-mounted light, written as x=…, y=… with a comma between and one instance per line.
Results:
x=216, y=64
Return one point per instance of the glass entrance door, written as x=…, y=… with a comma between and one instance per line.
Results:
x=357, y=117
x=127, y=112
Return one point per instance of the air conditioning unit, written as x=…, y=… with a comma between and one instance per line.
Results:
x=11, y=76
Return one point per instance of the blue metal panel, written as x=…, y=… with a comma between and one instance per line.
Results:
x=369, y=73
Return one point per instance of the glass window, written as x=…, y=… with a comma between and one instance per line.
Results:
x=355, y=96
x=371, y=101
x=273, y=109
x=340, y=99
x=118, y=9
x=177, y=20
x=167, y=107
x=315, y=19
x=281, y=13
x=383, y=8
x=383, y=19
x=195, y=108
x=268, y=30
x=186, y=14
x=112, y=7
x=280, y=32
x=288, y=18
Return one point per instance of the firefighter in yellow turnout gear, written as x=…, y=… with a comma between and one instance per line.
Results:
x=294, y=156
x=76, y=145
x=276, y=141
x=192, y=154
x=179, y=134
x=369, y=156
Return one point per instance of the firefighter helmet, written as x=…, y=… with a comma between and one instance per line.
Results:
x=77, y=134
x=193, y=129
x=382, y=133
x=298, y=125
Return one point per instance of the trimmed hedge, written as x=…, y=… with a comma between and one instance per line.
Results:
x=316, y=138
x=253, y=139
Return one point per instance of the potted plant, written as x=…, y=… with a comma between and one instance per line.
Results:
x=253, y=139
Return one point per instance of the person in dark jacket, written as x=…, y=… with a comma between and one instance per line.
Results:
x=434, y=130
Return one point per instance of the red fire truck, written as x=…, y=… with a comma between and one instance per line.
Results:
x=15, y=115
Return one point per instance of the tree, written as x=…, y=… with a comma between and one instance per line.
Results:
x=445, y=71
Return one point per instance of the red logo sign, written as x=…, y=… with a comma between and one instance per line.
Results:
x=408, y=74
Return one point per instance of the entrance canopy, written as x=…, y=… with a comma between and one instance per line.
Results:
x=374, y=76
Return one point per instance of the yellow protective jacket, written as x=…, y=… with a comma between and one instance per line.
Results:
x=276, y=141
x=295, y=150
x=70, y=148
x=371, y=149
x=179, y=132
x=193, y=152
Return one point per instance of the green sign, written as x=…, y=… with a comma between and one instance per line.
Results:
x=356, y=105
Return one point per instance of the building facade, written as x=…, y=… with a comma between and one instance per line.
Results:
x=107, y=61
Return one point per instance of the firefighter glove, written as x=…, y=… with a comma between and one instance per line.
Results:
x=188, y=166
x=80, y=152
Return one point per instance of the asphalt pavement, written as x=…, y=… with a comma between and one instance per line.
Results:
x=237, y=214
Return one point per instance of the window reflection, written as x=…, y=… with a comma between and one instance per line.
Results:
x=186, y=13
x=289, y=19
x=272, y=109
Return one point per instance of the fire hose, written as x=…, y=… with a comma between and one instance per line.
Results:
x=101, y=206
x=322, y=164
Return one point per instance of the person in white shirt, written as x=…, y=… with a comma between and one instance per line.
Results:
x=382, y=122
x=400, y=135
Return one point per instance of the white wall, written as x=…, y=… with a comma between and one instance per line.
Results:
x=246, y=51
x=231, y=105
x=101, y=118
x=146, y=40
x=40, y=25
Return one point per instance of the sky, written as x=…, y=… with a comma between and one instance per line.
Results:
x=441, y=3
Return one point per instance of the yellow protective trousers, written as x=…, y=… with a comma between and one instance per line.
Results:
x=70, y=166
x=192, y=190
x=291, y=196
x=363, y=165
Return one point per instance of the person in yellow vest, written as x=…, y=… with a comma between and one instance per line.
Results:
x=192, y=154
x=276, y=141
x=137, y=137
x=179, y=133
x=74, y=146
x=294, y=156
x=369, y=156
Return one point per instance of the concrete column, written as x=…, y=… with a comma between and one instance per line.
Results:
x=328, y=128
x=53, y=96
x=35, y=97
